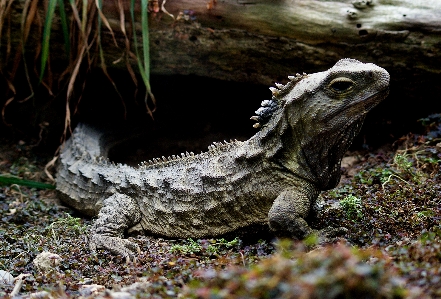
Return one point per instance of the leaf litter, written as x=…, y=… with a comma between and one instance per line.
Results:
x=388, y=199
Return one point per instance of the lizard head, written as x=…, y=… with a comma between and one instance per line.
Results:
x=341, y=95
x=322, y=113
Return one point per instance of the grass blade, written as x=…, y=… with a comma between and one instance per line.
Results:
x=75, y=13
x=84, y=16
x=2, y=17
x=28, y=16
x=9, y=180
x=135, y=39
x=128, y=53
x=46, y=36
x=102, y=18
x=145, y=38
x=64, y=26
x=144, y=63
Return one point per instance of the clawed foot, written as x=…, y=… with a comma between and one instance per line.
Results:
x=116, y=245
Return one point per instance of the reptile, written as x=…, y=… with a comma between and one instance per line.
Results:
x=273, y=178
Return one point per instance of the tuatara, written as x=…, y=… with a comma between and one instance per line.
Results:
x=274, y=177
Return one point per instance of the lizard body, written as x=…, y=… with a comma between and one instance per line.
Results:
x=274, y=177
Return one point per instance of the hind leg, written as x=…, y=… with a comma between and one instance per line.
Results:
x=119, y=212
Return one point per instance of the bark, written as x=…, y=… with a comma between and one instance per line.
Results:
x=263, y=41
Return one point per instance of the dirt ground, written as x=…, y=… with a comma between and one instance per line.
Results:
x=388, y=200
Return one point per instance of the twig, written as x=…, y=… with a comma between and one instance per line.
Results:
x=165, y=10
x=18, y=284
x=243, y=258
x=393, y=175
x=19, y=191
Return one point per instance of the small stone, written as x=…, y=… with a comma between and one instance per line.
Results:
x=86, y=281
x=40, y=295
x=349, y=161
x=47, y=261
x=121, y=295
x=170, y=293
x=6, y=277
x=92, y=289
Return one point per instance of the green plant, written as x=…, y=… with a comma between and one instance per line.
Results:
x=211, y=247
x=81, y=23
x=406, y=167
x=378, y=174
x=64, y=225
x=190, y=248
x=403, y=162
x=329, y=272
x=352, y=207
x=341, y=191
x=425, y=214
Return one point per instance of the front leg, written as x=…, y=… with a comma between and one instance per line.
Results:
x=118, y=213
x=288, y=213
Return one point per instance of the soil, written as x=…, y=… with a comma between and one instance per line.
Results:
x=388, y=200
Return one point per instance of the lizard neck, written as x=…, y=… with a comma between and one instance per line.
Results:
x=313, y=155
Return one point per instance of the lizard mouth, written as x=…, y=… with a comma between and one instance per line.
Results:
x=370, y=102
x=360, y=108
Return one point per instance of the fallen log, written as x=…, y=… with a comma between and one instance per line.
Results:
x=260, y=42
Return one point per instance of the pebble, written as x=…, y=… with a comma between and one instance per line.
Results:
x=6, y=277
x=46, y=261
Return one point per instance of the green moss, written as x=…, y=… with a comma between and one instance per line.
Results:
x=204, y=247
x=331, y=272
x=352, y=207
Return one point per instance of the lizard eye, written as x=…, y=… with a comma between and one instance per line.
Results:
x=341, y=84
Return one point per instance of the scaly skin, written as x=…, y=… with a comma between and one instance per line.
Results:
x=274, y=177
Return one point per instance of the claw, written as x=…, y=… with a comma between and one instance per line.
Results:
x=115, y=245
x=134, y=259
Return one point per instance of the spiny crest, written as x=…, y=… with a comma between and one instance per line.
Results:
x=280, y=89
x=212, y=149
x=216, y=146
x=264, y=113
x=101, y=161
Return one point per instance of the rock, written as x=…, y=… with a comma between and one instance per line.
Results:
x=121, y=295
x=40, y=295
x=6, y=277
x=47, y=261
x=349, y=161
x=92, y=289
x=86, y=281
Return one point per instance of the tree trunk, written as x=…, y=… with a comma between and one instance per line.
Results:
x=262, y=41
